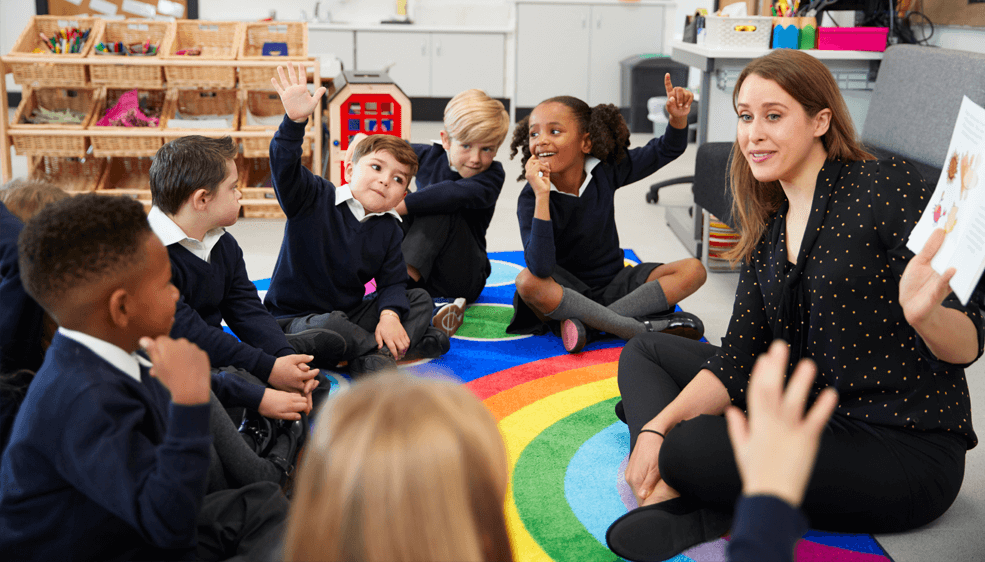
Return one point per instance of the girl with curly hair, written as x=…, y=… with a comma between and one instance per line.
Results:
x=575, y=157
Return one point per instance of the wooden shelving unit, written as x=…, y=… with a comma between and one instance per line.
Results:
x=314, y=133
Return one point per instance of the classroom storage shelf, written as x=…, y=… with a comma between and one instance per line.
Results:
x=74, y=157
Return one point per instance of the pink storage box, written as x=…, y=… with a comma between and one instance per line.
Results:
x=852, y=38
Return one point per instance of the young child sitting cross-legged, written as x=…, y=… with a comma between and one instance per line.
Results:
x=446, y=218
x=575, y=157
x=109, y=459
x=193, y=186
x=339, y=238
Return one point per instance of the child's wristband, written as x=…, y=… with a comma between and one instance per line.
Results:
x=388, y=312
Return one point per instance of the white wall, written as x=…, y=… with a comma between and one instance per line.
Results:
x=14, y=16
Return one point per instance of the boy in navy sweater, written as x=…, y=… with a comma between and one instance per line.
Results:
x=338, y=239
x=446, y=218
x=108, y=458
x=193, y=186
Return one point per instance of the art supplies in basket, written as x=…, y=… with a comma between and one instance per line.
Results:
x=65, y=40
x=145, y=49
x=131, y=111
x=42, y=116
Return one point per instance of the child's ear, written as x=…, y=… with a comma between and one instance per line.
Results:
x=118, y=312
x=586, y=144
x=445, y=140
x=200, y=198
x=348, y=171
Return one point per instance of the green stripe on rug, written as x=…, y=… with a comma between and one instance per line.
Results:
x=538, y=486
x=485, y=321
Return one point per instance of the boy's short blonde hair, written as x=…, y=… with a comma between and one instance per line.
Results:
x=24, y=198
x=399, y=148
x=474, y=117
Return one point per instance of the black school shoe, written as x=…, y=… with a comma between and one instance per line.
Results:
x=374, y=362
x=434, y=343
x=683, y=324
x=664, y=530
x=326, y=346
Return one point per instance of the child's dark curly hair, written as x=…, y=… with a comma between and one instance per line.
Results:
x=80, y=240
x=605, y=126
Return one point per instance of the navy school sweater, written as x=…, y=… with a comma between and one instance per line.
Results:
x=221, y=290
x=765, y=529
x=100, y=466
x=441, y=190
x=327, y=256
x=581, y=236
x=21, y=318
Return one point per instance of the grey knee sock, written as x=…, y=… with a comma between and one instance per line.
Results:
x=648, y=298
x=575, y=305
x=241, y=464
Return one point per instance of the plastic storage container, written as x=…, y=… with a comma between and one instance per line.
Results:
x=751, y=32
x=852, y=38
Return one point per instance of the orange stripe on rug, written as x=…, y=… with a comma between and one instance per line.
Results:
x=517, y=397
x=497, y=382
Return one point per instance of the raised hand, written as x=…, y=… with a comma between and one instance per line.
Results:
x=678, y=103
x=180, y=366
x=293, y=90
x=776, y=447
x=921, y=289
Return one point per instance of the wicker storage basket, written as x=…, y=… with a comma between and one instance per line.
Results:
x=128, y=177
x=125, y=144
x=70, y=174
x=52, y=74
x=260, y=202
x=76, y=99
x=293, y=34
x=159, y=33
x=264, y=103
x=217, y=40
x=206, y=102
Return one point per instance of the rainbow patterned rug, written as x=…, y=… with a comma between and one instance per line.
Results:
x=566, y=449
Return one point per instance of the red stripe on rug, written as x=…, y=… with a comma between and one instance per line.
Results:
x=497, y=382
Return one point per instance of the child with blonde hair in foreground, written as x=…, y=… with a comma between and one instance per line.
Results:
x=401, y=469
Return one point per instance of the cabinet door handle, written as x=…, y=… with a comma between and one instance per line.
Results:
x=438, y=46
x=424, y=48
x=598, y=23
x=584, y=22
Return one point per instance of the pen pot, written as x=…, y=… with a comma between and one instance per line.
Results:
x=786, y=35
x=808, y=32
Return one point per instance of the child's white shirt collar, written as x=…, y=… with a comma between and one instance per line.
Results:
x=115, y=356
x=344, y=195
x=590, y=163
x=170, y=233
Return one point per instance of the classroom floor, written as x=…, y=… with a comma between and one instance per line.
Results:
x=956, y=536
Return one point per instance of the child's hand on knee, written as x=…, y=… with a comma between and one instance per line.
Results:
x=390, y=332
x=180, y=366
x=291, y=372
x=282, y=405
x=293, y=91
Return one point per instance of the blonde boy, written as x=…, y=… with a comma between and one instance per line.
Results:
x=445, y=220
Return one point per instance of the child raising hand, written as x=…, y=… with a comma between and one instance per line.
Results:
x=574, y=158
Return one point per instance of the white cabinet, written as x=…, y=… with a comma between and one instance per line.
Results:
x=552, y=47
x=435, y=64
x=409, y=53
x=619, y=32
x=575, y=49
x=322, y=42
x=460, y=61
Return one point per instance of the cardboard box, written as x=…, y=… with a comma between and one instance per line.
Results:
x=750, y=5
